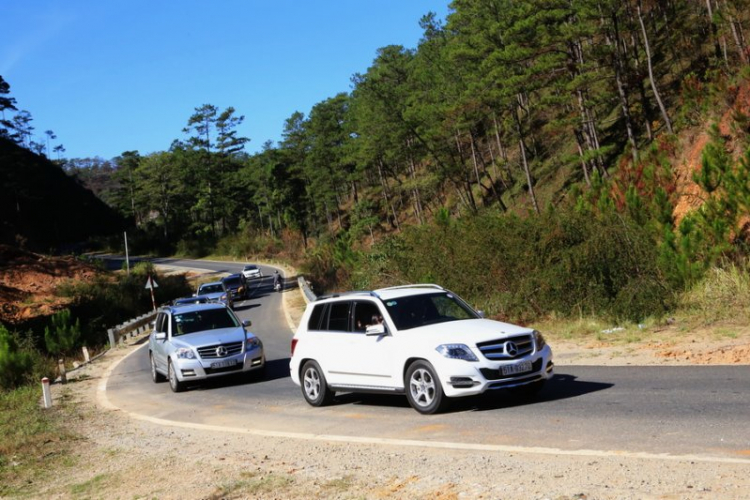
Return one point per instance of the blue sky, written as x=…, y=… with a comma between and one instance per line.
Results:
x=113, y=76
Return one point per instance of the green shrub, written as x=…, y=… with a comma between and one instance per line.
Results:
x=64, y=335
x=16, y=364
x=566, y=263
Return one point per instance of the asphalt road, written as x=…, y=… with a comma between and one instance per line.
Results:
x=693, y=411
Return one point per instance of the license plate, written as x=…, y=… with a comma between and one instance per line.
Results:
x=522, y=367
x=224, y=364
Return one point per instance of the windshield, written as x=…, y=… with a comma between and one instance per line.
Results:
x=198, y=321
x=421, y=310
x=251, y=268
x=232, y=282
x=216, y=288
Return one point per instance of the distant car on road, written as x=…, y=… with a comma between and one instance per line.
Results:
x=236, y=286
x=252, y=271
x=216, y=292
x=201, y=341
x=196, y=299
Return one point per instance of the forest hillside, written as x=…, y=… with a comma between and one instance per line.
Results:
x=538, y=157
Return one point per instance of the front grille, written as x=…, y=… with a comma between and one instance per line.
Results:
x=496, y=349
x=491, y=374
x=209, y=352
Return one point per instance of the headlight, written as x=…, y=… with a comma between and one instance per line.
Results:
x=456, y=351
x=539, y=340
x=185, y=353
x=253, y=343
x=224, y=297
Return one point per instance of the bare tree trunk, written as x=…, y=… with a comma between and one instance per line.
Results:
x=663, y=109
x=617, y=57
x=415, y=190
x=584, y=166
x=524, y=162
x=503, y=152
x=737, y=34
x=492, y=189
x=386, y=196
x=714, y=29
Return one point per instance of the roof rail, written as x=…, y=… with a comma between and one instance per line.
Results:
x=419, y=285
x=342, y=294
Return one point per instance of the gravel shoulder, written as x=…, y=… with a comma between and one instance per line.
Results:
x=121, y=457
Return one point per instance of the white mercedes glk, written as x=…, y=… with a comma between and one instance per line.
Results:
x=421, y=340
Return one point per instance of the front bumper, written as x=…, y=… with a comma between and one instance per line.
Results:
x=202, y=369
x=465, y=378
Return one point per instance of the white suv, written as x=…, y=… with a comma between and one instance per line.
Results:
x=421, y=340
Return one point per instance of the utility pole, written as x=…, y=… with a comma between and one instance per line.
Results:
x=127, y=258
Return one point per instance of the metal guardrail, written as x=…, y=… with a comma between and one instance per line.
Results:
x=307, y=292
x=130, y=328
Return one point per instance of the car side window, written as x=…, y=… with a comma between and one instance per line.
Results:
x=366, y=314
x=338, y=316
x=160, y=325
x=315, y=317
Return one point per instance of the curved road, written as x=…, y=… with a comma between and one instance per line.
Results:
x=677, y=413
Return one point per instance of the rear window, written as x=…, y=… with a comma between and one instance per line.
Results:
x=211, y=288
x=232, y=282
x=330, y=317
x=315, y=317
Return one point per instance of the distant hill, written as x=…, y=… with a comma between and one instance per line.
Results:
x=42, y=208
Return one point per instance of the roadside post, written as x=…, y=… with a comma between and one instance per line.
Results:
x=151, y=284
x=46, y=393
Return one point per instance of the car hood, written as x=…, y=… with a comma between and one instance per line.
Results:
x=469, y=331
x=211, y=337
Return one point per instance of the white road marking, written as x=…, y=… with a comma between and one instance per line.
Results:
x=103, y=401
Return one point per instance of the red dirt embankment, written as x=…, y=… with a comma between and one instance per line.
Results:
x=28, y=282
x=691, y=196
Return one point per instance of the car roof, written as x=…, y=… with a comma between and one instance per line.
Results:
x=195, y=307
x=231, y=276
x=192, y=300
x=390, y=292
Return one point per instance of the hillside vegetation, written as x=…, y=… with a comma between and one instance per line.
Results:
x=539, y=157
x=42, y=208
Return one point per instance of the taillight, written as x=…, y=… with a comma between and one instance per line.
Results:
x=294, y=344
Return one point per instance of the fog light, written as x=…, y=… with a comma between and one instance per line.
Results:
x=460, y=382
x=188, y=373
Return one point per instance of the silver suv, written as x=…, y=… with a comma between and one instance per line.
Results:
x=418, y=340
x=200, y=341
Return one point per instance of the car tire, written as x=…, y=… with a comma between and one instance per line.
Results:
x=155, y=375
x=528, y=390
x=423, y=389
x=314, y=386
x=174, y=382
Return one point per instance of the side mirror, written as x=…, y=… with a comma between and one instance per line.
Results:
x=375, y=330
x=481, y=314
x=160, y=336
x=247, y=323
